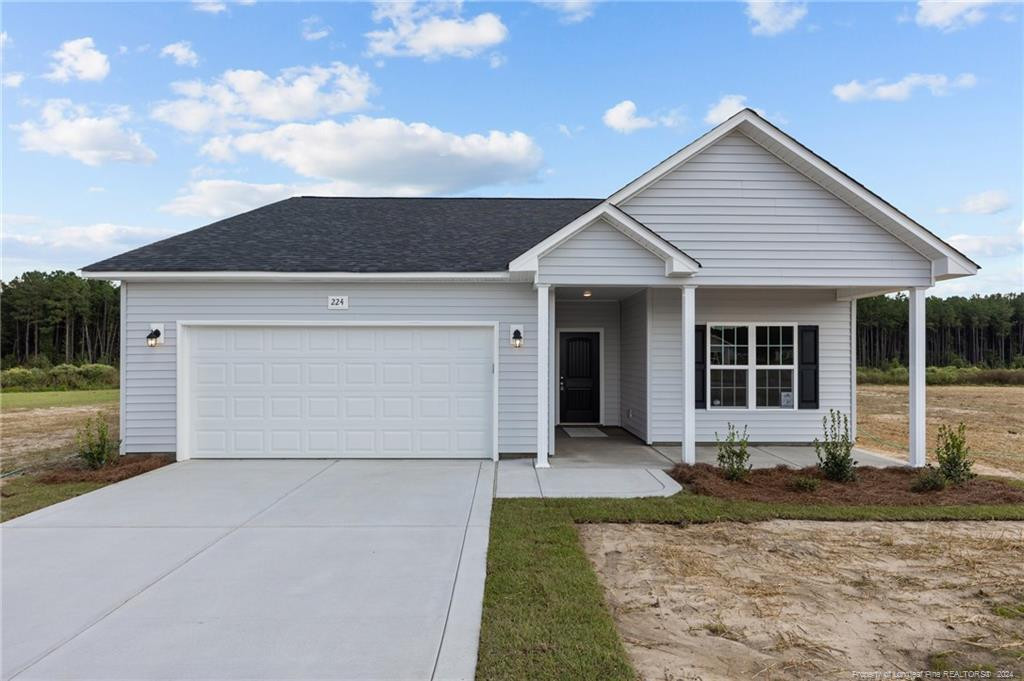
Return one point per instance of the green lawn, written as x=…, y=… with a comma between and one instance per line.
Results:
x=23, y=495
x=544, y=611
x=57, y=398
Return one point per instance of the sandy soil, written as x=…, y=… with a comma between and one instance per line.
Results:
x=994, y=416
x=811, y=600
x=36, y=437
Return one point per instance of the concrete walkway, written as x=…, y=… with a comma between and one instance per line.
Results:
x=519, y=478
x=254, y=570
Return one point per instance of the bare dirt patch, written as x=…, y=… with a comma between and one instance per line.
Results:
x=812, y=600
x=38, y=437
x=993, y=414
x=873, y=486
x=124, y=467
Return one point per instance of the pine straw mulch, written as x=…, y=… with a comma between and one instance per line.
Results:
x=872, y=487
x=127, y=466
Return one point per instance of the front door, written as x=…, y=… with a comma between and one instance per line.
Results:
x=579, y=382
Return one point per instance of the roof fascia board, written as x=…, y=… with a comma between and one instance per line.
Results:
x=368, y=277
x=677, y=263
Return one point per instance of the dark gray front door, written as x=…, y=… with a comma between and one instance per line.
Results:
x=579, y=383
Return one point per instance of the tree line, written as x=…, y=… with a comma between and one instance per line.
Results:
x=985, y=331
x=59, y=317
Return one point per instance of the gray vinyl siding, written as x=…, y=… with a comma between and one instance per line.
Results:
x=602, y=315
x=150, y=374
x=749, y=218
x=819, y=308
x=633, y=385
x=601, y=254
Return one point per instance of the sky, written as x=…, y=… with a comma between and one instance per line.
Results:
x=124, y=123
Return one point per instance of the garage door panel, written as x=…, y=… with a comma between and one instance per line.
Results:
x=341, y=392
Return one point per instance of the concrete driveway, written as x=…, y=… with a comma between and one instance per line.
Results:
x=253, y=570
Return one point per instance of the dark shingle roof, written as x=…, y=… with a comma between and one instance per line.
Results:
x=327, y=234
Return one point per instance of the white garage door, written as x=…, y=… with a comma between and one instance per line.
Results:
x=340, y=391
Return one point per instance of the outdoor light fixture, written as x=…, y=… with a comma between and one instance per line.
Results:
x=155, y=336
x=587, y=293
x=515, y=334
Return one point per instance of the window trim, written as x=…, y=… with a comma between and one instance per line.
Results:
x=751, y=366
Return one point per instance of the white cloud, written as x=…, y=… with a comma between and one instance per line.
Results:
x=182, y=53
x=900, y=90
x=950, y=15
x=725, y=108
x=571, y=11
x=497, y=60
x=987, y=244
x=13, y=79
x=983, y=203
x=569, y=132
x=432, y=30
x=239, y=97
x=623, y=118
x=5, y=40
x=772, y=17
x=314, y=28
x=99, y=236
x=65, y=129
x=97, y=190
x=209, y=6
x=78, y=59
x=217, y=198
x=388, y=156
x=8, y=219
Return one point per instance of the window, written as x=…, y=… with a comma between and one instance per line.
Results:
x=768, y=372
x=774, y=348
x=730, y=355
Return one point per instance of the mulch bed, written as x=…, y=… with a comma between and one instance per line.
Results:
x=873, y=487
x=127, y=466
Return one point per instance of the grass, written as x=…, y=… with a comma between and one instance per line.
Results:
x=57, y=398
x=544, y=611
x=25, y=494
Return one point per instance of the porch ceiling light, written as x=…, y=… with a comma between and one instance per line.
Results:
x=153, y=338
x=587, y=293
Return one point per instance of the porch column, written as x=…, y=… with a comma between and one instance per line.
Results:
x=543, y=373
x=689, y=436
x=916, y=359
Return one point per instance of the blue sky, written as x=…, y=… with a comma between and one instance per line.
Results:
x=124, y=123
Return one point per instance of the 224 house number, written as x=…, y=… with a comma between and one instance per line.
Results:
x=337, y=302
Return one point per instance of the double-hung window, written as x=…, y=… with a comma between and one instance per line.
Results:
x=730, y=355
x=745, y=377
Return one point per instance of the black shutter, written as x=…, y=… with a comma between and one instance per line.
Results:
x=700, y=366
x=807, y=371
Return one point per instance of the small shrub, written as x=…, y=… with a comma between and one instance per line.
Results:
x=953, y=454
x=95, y=445
x=930, y=479
x=803, y=483
x=733, y=457
x=835, y=458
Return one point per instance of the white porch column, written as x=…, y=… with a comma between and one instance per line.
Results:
x=916, y=359
x=543, y=373
x=689, y=436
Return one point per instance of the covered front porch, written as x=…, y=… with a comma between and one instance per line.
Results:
x=637, y=366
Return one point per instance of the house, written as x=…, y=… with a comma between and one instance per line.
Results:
x=718, y=287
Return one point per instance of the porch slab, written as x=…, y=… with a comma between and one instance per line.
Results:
x=563, y=481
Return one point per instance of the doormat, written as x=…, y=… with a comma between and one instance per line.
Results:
x=583, y=432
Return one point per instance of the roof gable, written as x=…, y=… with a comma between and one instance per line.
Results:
x=677, y=263
x=946, y=261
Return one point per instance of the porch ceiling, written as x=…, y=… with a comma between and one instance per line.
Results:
x=598, y=293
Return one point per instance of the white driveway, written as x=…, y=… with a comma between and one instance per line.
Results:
x=254, y=570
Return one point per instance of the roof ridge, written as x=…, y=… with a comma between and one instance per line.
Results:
x=457, y=198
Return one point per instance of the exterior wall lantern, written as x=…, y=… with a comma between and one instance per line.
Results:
x=516, y=335
x=155, y=336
